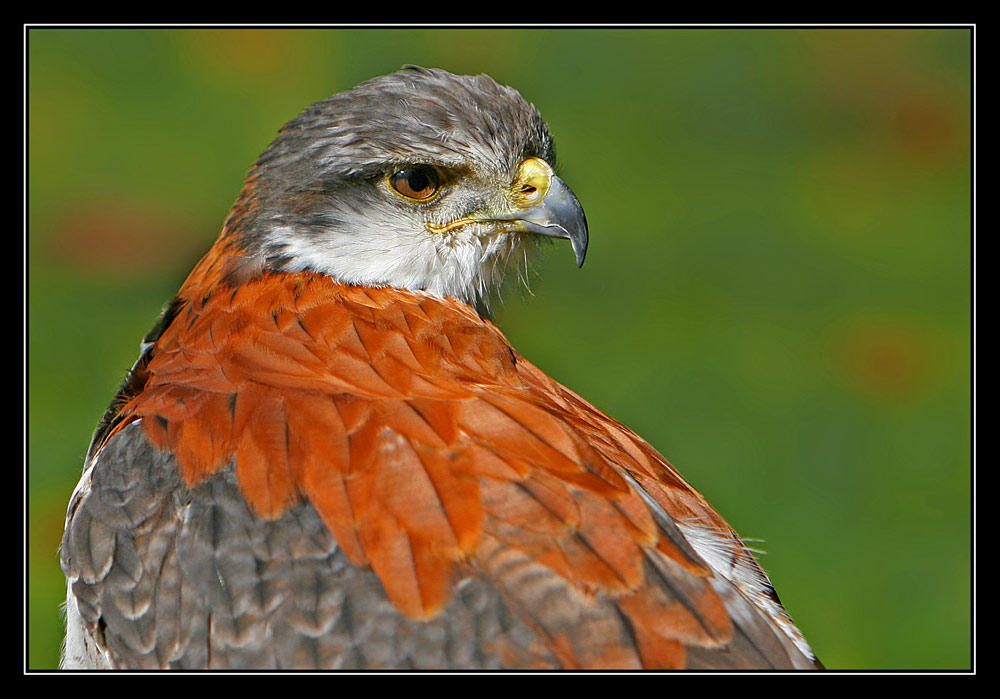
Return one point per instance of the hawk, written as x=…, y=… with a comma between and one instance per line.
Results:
x=326, y=457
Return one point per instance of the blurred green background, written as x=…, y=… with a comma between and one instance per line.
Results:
x=777, y=294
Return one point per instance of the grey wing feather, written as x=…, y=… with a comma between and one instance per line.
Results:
x=163, y=576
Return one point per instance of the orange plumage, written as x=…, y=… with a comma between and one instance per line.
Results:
x=427, y=444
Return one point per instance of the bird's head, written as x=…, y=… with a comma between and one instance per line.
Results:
x=420, y=179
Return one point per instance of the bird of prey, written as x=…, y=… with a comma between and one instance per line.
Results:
x=327, y=456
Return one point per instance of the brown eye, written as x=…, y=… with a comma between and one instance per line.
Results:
x=420, y=182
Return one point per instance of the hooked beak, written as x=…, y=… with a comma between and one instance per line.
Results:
x=558, y=215
x=539, y=203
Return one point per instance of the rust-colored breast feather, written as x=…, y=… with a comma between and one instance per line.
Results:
x=433, y=451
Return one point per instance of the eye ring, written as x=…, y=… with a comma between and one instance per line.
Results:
x=416, y=182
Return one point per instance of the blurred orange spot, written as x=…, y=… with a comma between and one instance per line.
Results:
x=887, y=361
x=246, y=55
x=924, y=126
x=122, y=239
x=871, y=77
